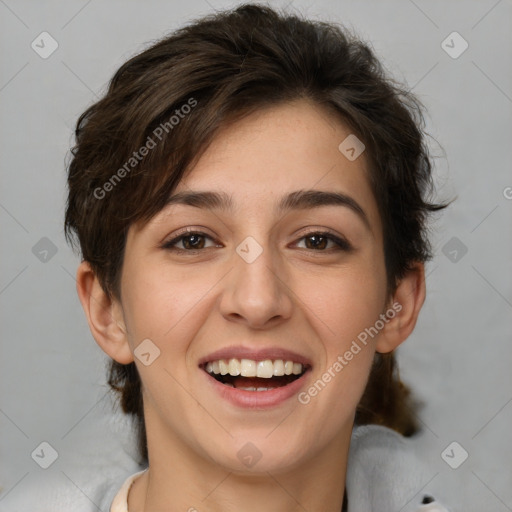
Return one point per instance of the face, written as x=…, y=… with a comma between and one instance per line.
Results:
x=256, y=282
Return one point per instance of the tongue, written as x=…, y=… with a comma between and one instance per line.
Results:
x=259, y=382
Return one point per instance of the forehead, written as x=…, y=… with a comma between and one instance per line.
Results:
x=261, y=162
x=284, y=148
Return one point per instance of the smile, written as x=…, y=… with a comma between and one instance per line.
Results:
x=252, y=375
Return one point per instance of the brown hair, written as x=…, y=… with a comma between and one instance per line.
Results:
x=224, y=67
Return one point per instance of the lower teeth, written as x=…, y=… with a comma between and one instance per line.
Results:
x=254, y=389
x=250, y=388
x=278, y=381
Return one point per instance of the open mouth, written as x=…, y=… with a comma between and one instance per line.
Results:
x=249, y=375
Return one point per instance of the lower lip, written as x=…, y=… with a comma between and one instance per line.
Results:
x=257, y=399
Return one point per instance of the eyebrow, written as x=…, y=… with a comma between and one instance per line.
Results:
x=298, y=200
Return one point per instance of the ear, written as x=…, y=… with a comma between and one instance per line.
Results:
x=104, y=315
x=406, y=303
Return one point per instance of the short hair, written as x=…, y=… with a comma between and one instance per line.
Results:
x=217, y=70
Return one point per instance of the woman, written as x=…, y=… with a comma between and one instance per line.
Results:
x=250, y=202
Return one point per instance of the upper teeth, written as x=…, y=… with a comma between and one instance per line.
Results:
x=250, y=368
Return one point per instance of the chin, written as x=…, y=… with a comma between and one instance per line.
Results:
x=254, y=455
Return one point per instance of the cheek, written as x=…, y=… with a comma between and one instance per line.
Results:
x=343, y=306
x=344, y=303
x=348, y=351
x=162, y=306
x=157, y=305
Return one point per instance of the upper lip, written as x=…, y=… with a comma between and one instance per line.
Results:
x=255, y=354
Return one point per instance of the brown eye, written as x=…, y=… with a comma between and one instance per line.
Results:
x=318, y=241
x=191, y=241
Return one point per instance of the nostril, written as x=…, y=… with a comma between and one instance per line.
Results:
x=427, y=499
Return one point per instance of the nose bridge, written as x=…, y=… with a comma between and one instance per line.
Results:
x=257, y=292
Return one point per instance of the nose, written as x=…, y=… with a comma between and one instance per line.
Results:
x=257, y=292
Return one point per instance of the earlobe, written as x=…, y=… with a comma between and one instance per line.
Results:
x=407, y=302
x=104, y=315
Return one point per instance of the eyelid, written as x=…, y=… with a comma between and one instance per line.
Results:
x=176, y=237
x=342, y=244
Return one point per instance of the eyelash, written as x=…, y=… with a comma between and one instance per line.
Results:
x=342, y=244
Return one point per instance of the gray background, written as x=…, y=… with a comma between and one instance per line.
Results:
x=458, y=360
